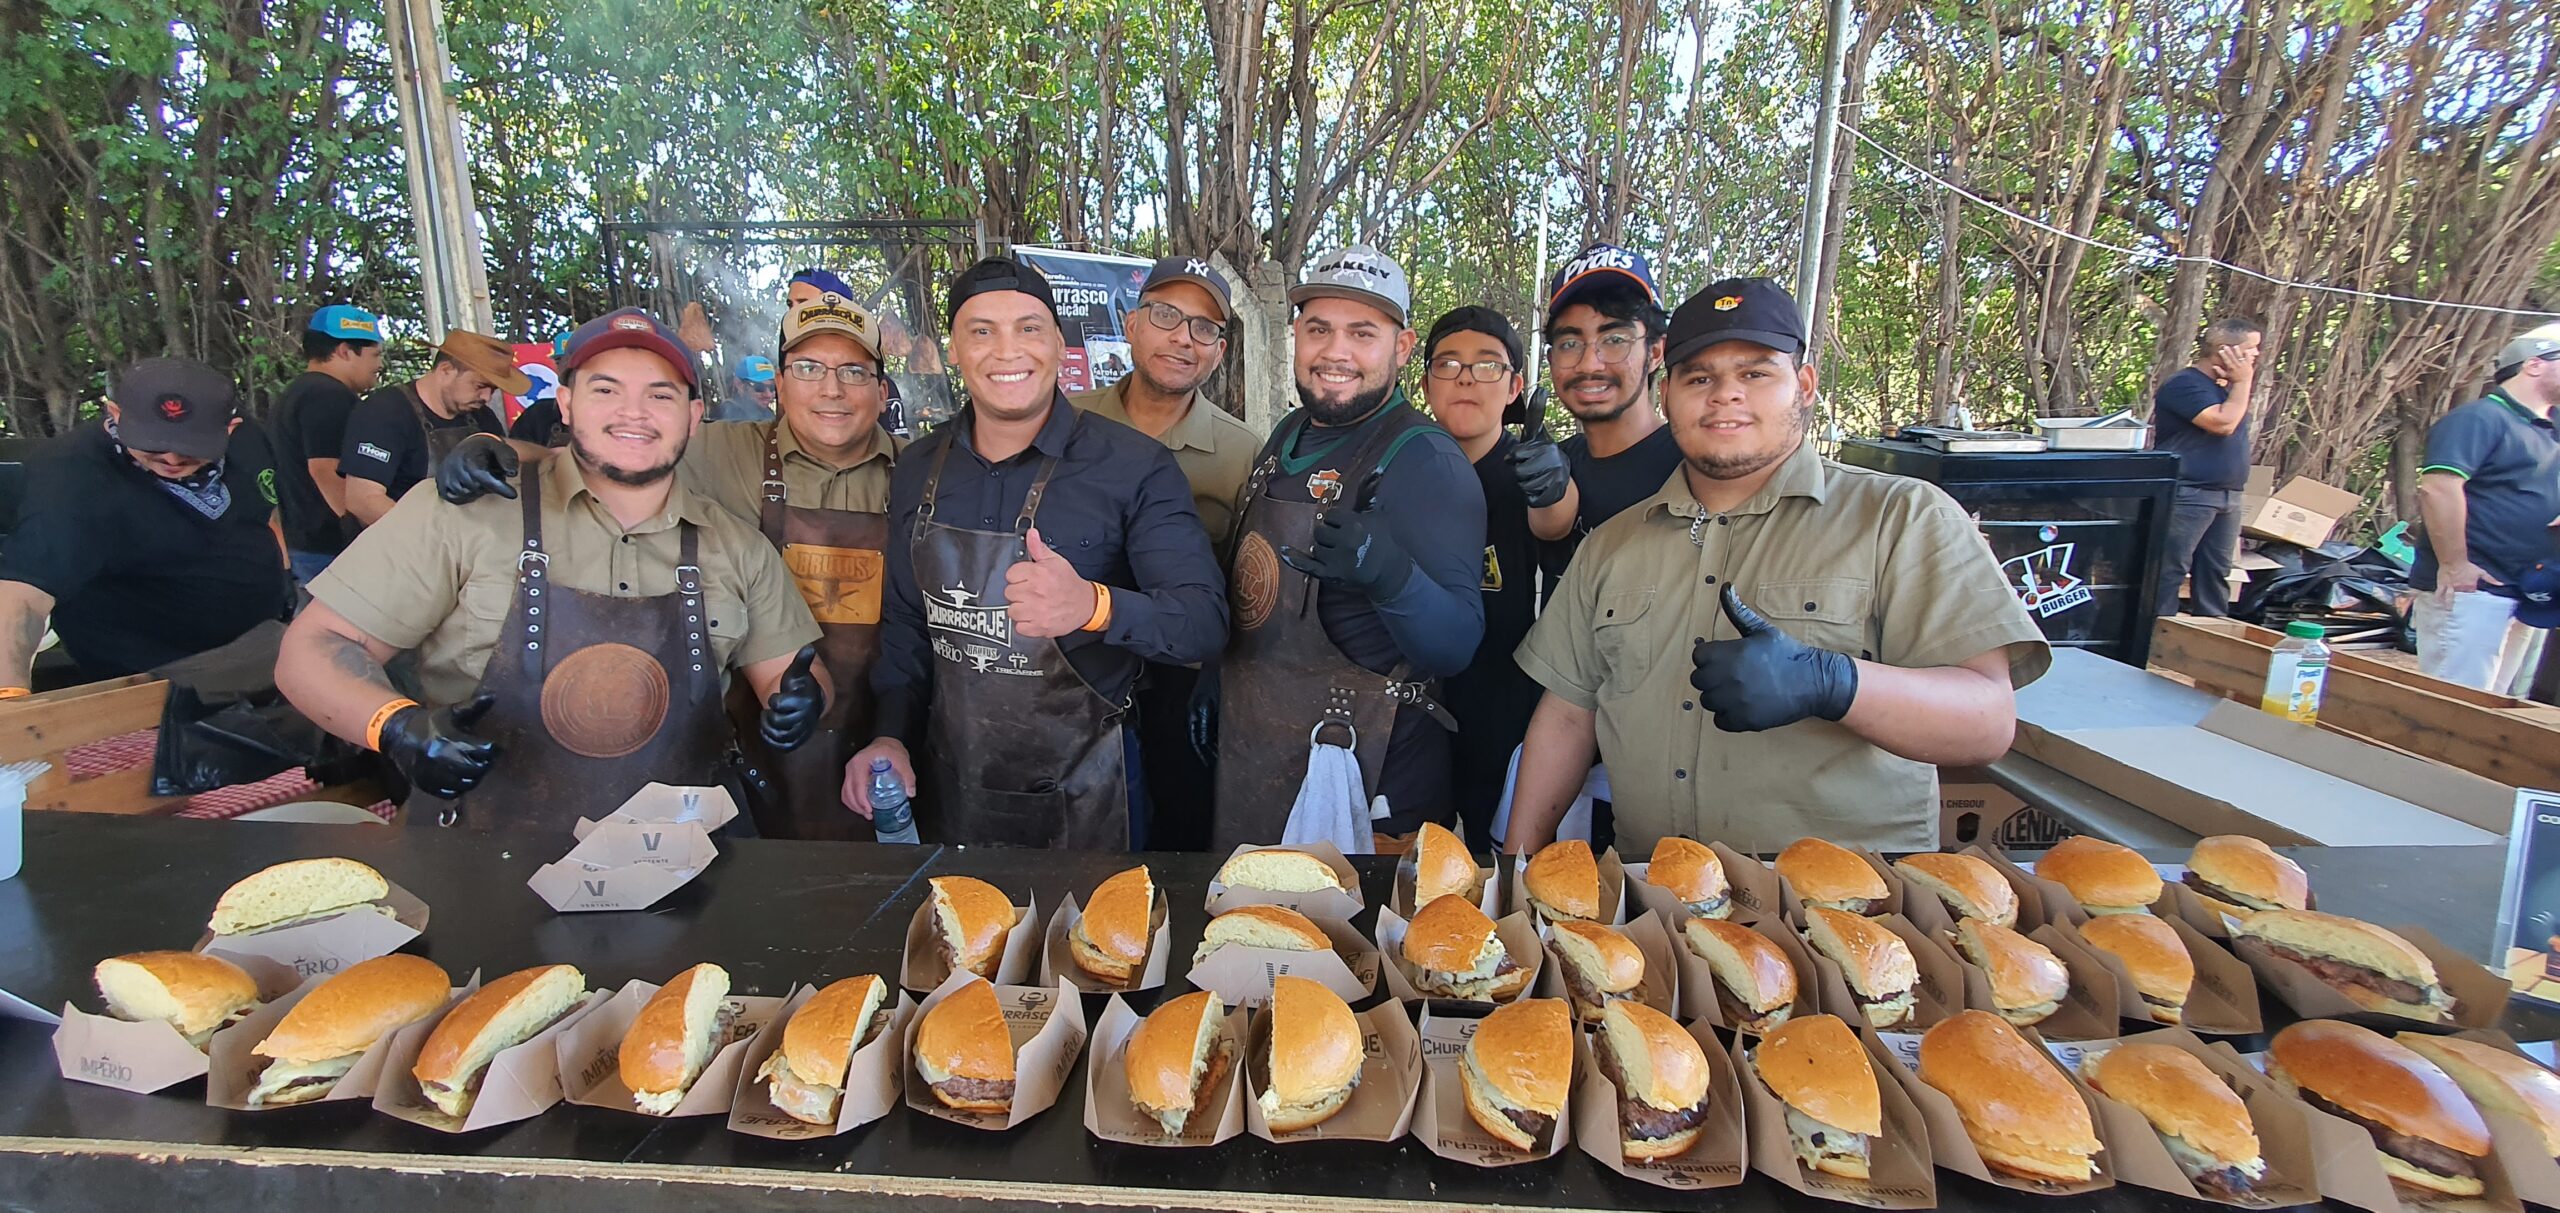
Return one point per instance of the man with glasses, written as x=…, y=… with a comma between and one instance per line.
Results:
x=1604, y=342
x=2489, y=493
x=1178, y=336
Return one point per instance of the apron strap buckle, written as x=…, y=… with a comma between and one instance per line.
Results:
x=774, y=489
x=1418, y=694
x=530, y=556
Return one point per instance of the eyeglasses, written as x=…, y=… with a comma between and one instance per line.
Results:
x=1613, y=348
x=1488, y=371
x=1168, y=317
x=851, y=374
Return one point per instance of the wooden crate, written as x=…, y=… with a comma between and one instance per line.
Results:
x=2513, y=741
x=47, y=727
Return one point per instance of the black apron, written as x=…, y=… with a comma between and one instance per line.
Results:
x=440, y=439
x=597, y=696
x=1021, y=750
x=835, y=557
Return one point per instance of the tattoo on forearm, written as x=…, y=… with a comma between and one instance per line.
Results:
x=349, y=658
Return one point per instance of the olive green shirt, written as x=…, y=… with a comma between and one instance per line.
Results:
x=439, y=579
x=1215, y=452
x=725, y=462
x=1880, y=567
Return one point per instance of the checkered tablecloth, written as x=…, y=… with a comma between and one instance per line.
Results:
x=135, y=749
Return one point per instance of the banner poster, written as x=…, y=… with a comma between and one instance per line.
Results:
x=535, y=361
x=2529, y=905
x=1095, y=294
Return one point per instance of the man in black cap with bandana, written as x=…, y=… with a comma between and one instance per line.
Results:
x=1039, y=556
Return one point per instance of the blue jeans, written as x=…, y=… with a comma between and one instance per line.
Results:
x=307, y=565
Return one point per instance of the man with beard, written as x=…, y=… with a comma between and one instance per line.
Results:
x=399, y=435
x=1040, y=555
x=1359, y=553
x=1774, y=645
x=1178, y=333
x=1604, y=343
x=571, y=646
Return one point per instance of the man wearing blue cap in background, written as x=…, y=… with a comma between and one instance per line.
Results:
x=751, y=389
x=341, y=361
x=2489, y=493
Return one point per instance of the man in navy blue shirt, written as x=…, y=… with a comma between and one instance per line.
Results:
x=2489, y=493
x=2202, y=413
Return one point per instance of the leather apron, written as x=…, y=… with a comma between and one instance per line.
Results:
x=1284, y=684
x=1021, y=750
x=836, y=558
x=596, y=696
x=440, y=439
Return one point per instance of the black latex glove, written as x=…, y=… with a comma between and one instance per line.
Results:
x=435, y=748
x=476, y=467
x=1204, y=717
x=1349, y=552
x=1767, y=678
x=1539, y=465
x=791, y=713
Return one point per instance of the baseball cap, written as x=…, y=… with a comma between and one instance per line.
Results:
x=487, y=357
x=347, y=323
x=175, y=405
x=1471, y=319
x=824, y=280
x=2538, y=595
x=994, y=275
x=1600, y=265
x=1360, y=273
x=1757, y=310
x=1198, y=271
x=2525, y=349
x=628, y=329
x=830, y=313
x=755, y=368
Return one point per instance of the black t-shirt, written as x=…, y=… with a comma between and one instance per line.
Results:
x=310, y=423
x=386, y=441
x=2205, y=460
x=2509, y=461
x=539, y=424
x=1492, y=698
x=140, y=577
x=1608, y=486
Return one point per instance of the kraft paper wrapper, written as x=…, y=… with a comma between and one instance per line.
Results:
x=1047, y=1026
x=1954, y=1147
x=2031, y=891
x=2520, y=1147
x=323, y=946
x=1660, y=987
x=870, y=1084
x=1938, y=994
x=922, y=968
x=146, y=1057
x=589, y=1054
x=1517, y=935
x=2222, y=1002
x=231, y=1069
x=2481, y=996
x=1343, y=902
x=621, y=865
x=2090, y=1010
x=1758, y=891
x=1489, y=895
x=2208, y=915
x=1894, y=901
x=1723, y=1150
x=1698, y=981
x=522, y=1081
x=1380, y=1109
x=1440, y=1116
x=1058, y=960
x=1110, y=1115
x=2139, y=1158
x=2350, y=1169
x=1613, y=887
x=1901, y=1176
x=668, y=804
x=1242, y=976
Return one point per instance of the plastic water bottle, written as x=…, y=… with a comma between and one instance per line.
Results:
x=892, y=817
x=2297, y=670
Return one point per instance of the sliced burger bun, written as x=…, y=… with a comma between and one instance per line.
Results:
x=190, y=991
x=1690, y=871
x=2248, y=873
x=1750, y=968
x=295, y=891
x=1277, y=928
x=1831, y=876
x=494, y=1018
x=1110, y=939
x=1174, y=1058
x=1442, y=866
x=964, y=1036
x=2187, y=1104
x=1563, y=881
x=2104, y=877
x=1659, y=1064
x=972, y=919
x=2023, y=1114
x=2028, y=982
x=676, y=1035
x=1967, y=886
x=1278, y=870
x=324, y=1034
x=1315, y=1055
x=2153, y=955
x=2387, y=1085
x=1520, y=1060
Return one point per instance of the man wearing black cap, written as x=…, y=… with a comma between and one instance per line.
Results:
x=1040, y=555
x=147, y=536
x=1774, y=645
x=399, y=434
x=1604, y=342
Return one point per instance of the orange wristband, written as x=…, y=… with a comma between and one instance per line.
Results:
x=1101, y=609
x=13, y=692
x=382, y=716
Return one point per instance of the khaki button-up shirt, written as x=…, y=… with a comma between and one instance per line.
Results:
x=725, y=463
x=1879, y=567
x=1214, y=450
x=439, y=579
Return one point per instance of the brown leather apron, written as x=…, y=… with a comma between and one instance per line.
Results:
x=1021, y=750
x=835, y=556
x=596, y=696
x=440, y=439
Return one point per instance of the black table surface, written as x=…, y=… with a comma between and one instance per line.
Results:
x=775, y=915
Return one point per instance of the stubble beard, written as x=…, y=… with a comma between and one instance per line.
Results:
x=1738, y=466
x=643, y=478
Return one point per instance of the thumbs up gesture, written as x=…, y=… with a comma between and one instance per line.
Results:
x=1766, y=678
x=1044, y=594
x=791, y=712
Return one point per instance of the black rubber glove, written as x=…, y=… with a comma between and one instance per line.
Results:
x=791, y=713
x=1539, y=465
x=435, y=749
x=1349, y=552
x=1767, y=678
x=476, y=467
x=1204, y=717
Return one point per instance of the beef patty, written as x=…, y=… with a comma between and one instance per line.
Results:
x=1535, y=1124
x=958, y=1087
x=2212, y=890
x=2415, y=1151
x=1640, y=1120
x=2339, y=973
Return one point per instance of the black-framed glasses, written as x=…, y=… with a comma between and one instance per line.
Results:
x=1613, y=348
x=1168, y=317
x=851, y=374
x=1491, y=370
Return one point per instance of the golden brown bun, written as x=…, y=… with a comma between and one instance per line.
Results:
x=1687, y=869
x=2181, y=1098
x=2023, y=1115
x=1564, y=880
x=2251, y=871
x=1969, y=887
x=2379, y=1079
x=1606, y=960
x=2497, y=1080
x=964, y=1036
x=362, y=1004
x=973, y=917
x=1278, y=870
x=2101, y=875
x=2027, y=979
x=497, y=1016
x=1442, y=865
x=301, y=888
x=1875, y=960
x=1745, y=962
x=1315, y=1054
x=1110, y=940
x=1521, y=1056
x=1816, y=1065
x=1661, y=1061
x=1168, y=1056
x=1275, y=927
x=666, y=1048
x=2152, y=954
x=1447, y=935
x=194, y=992
x=820, y=1039
x=2354, y=941
x=1827, y=874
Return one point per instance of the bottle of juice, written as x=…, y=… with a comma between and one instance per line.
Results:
x=2296, y=673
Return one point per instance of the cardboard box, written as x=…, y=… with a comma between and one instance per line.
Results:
x=2303, y=512
x=1972, y=809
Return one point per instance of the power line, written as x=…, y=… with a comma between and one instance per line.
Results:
x=2154, y=257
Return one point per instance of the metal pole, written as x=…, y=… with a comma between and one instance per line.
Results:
x=1537, y=293
x=452, y=275
x=1826, y=133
